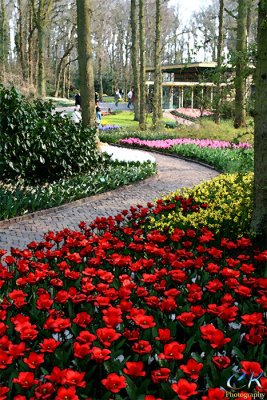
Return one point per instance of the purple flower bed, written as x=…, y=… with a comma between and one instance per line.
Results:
x=166, y=144
x=108, y=127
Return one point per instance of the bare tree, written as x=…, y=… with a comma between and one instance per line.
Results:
x=69, y=45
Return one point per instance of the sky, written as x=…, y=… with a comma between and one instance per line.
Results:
x=187, y=7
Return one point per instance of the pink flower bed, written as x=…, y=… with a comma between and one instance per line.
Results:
x=193, y=112
x=166, y=144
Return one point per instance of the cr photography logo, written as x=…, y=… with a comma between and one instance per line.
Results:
x=239, y=376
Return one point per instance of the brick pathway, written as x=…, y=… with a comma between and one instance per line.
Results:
x=173, y=173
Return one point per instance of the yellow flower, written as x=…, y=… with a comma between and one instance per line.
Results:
x=229, y=199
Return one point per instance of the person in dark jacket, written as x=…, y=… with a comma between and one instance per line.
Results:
x=78, y=101
x=96, y=99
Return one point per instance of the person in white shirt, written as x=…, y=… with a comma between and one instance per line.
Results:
x=76, y=116
x=117, y=97
x=130, y=95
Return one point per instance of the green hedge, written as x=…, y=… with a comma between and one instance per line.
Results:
x=40, y=147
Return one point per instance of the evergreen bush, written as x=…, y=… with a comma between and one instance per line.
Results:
x=39, y=146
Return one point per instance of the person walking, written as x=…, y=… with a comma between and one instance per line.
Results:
x=129, y=95
x=98, y=116
x=78, y=101
x=117, y=97
x=76, y=115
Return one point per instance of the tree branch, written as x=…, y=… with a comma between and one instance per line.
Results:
x=171, y=39
x=229, y=12
x=71, y=61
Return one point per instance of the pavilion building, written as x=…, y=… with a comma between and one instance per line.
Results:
x=191, y=85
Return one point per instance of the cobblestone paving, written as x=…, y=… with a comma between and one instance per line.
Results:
x=173, y=174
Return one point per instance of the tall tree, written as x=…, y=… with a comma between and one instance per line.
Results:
x=259, y=216
x=240, y=81
x=142, y=114
x=67, y=51
x=31, y=30
x=100, y=67
x=3, y=35
x=219, y=61
x=21, y=46
x=157, y=66
x=134, y=58
x=85, y=56
x=41, y=13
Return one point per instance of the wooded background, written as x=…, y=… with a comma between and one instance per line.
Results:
x=38, y=40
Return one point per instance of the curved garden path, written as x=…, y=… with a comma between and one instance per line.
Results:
x=173, y=173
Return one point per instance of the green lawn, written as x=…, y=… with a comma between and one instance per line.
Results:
x=126, y=120
x=207, y=129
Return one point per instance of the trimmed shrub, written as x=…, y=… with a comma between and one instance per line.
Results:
x=40, y=147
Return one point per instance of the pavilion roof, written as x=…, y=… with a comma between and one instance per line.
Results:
x=178, y=67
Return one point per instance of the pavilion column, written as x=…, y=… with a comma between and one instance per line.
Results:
x=192, y=98
x=182, y=97
x=171, y=98
x=211, y=95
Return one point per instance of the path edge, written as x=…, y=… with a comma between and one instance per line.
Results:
x=75, y=203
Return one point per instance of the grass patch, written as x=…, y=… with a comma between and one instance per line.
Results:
x=207, y=129
x=126, y=120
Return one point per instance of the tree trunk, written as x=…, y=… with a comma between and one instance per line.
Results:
x=56, y=64
x=3, y=44
x=68, y=81
x=85, y=56
x=249, y=20
x=36, y=69
x=113, y=64
x=134, y=54
x=58, y=76
x=126, y=69
x=142, y=115
x=41, y=12
x=240, y=82
x=120, y=46
x=30, y=49
x=21, y=40
x=63, y=81
x=100, y=72
x=259, y=216
x=219, y=63
x=41, y=82
x=157, y=65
